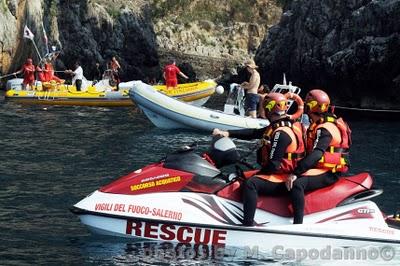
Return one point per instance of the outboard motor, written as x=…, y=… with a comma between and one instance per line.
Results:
x=223, y=152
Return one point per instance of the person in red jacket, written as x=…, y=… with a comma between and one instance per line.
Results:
x=49, y=73
x=170, y=75
x=28, y=69
x=40, y=73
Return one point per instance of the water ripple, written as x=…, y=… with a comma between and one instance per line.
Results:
x=52, y=157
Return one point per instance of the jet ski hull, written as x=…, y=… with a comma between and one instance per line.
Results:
x=185, y=198
x=192, y=218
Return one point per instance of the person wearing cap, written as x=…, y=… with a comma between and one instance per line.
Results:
x=170, y=74
x=28, y=69
x=251, y=87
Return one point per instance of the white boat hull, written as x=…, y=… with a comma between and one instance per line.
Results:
x=168, y=113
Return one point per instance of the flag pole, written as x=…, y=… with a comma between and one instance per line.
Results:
x=37, y=50
x=46, y=40
x=29, y=35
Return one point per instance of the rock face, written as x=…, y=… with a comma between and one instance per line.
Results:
x=13, y=17
x=215, y=28
x=92, y=32
x=87, y=31
x=212, y=35
x=209, y=35
x=351, y=48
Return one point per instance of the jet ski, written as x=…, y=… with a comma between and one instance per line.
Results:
x=189, y=197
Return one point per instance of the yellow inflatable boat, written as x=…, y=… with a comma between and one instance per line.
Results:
x=101, y=93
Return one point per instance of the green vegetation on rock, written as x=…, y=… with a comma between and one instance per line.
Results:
x=53, y=8
x=3, y=6
x=216, y=11
x=113, y=11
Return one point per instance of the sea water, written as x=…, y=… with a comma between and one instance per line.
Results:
x=52, y=157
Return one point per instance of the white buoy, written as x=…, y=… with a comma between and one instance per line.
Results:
x=219, y=89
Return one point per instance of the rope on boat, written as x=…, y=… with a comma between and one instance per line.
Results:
x=367, y=109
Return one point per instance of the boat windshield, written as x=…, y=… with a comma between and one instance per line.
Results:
x=235, y=101
x=205, y=175
x=190, y=161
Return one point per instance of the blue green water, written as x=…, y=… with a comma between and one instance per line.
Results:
x=50, y=158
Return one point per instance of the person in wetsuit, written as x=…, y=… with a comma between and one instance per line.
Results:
x=282, y=147
x=327, y=145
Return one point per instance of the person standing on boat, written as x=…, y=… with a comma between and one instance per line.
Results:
x=97, y=72
x=40, y=73
x=263, y=91
x=77, y=76
x=114, y=64
x=115, y=68
x=327, y=145
x=252, y=98
x=170, y=74
x=28, y=69
x=282, y=147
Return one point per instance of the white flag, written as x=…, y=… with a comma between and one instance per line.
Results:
x=27, y=33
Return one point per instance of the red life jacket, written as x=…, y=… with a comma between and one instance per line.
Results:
x=336, y=156
x=294, y=152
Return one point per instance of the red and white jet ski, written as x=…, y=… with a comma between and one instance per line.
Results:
x=185, y=198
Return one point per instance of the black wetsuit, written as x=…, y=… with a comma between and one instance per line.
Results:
x=307, y=183
x=255, y=186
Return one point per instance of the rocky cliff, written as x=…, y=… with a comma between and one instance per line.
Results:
x=349, y=47
x=85, y=31
x=208, y=35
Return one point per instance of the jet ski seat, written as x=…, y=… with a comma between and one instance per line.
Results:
x=315, y=201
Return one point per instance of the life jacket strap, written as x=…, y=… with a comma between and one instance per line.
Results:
x=332, y=149
x=293, y=156
x=274, y=126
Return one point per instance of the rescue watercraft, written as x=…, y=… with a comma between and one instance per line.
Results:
x=185, y=198
x=168, y=113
